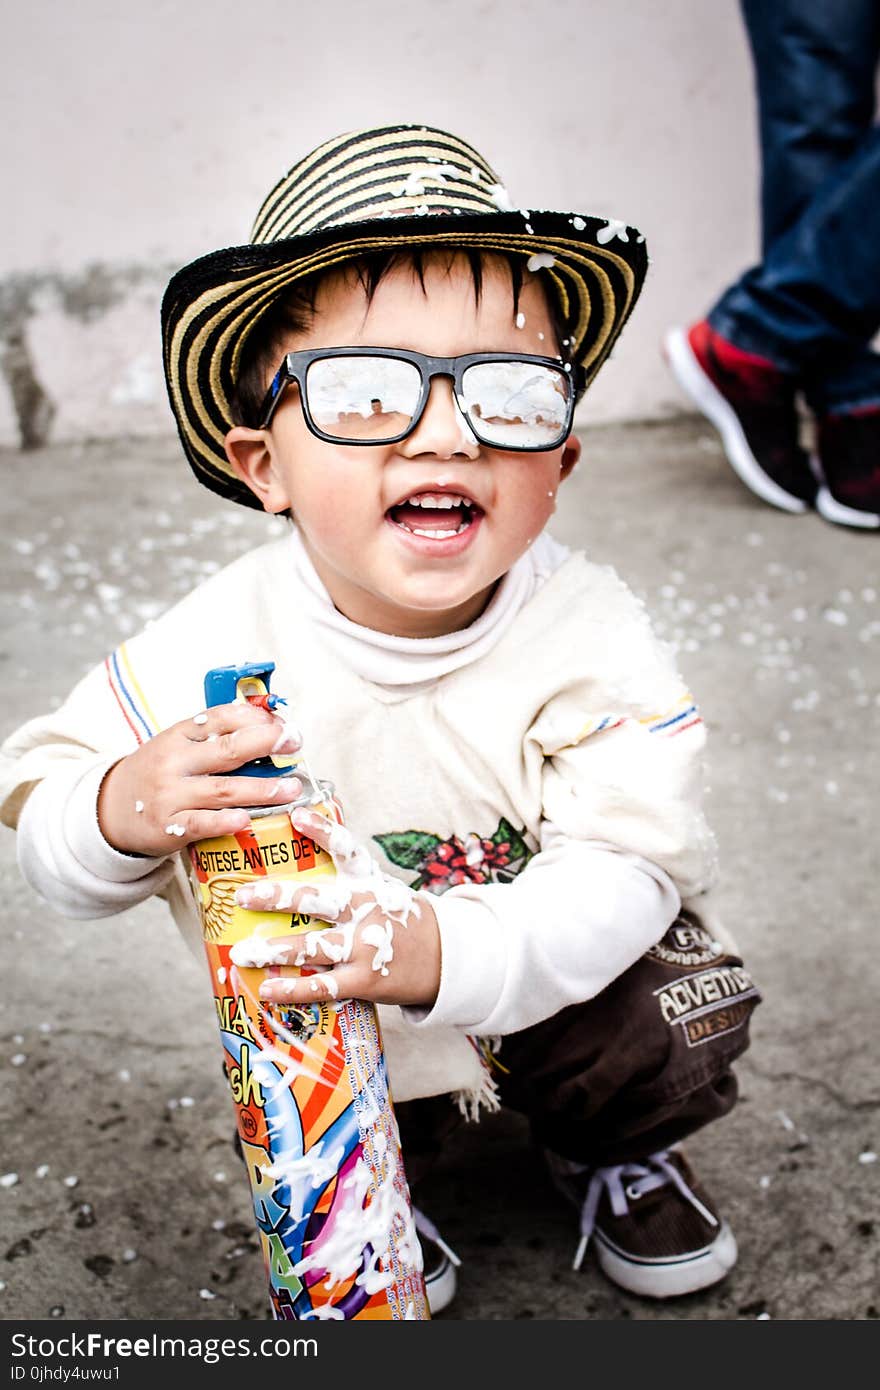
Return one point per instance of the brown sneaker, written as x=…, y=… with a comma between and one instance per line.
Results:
x=654, y=1229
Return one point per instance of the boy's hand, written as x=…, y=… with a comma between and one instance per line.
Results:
x=384, y=944
x=172, y=790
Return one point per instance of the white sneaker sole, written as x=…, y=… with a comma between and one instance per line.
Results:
x=668, y=1278
x=835, y=511
x=693, y=380
x=441, y=1287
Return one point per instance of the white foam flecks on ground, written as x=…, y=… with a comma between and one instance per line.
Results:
x=107, y=590
x=8, y=1180
x=867, y=1156
x=790, y=1127
x=775, y=632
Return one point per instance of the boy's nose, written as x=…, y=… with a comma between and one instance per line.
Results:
x=443, y=430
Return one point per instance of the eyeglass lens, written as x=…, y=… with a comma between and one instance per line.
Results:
x=522, y=404
x=363, y=397
x=371, y=399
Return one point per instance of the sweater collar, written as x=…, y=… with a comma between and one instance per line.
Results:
x=416, y=662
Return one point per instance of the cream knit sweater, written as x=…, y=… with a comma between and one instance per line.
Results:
x=541, y=770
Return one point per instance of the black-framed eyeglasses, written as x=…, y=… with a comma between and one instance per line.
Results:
x=364, y=395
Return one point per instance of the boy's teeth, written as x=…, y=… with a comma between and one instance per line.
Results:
x=436, y=535
x=430, y=514
x=441, y=500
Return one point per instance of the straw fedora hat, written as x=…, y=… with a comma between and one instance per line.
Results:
x=365, y=191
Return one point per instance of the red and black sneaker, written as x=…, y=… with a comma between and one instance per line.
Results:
x=849, y=461
x=751, y=403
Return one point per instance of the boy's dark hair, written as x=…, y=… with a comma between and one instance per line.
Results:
x=292, y=313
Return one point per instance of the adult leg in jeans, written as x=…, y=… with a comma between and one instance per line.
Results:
x=815, y=67
x=812, y=304
x=801, y=321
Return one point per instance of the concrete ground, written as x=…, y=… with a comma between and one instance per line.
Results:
x=115, y=1117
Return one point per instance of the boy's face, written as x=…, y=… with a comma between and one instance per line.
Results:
x=353, y=504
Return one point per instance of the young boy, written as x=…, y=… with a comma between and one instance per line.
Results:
x=394, y=361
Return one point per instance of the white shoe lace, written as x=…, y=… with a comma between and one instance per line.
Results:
x=426, y=1228
x=624, y=1183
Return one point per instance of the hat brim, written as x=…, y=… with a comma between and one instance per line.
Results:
x=211, y=305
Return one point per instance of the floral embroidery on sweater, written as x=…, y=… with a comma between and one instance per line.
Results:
x=440, y=864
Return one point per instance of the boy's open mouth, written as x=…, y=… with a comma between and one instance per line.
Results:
x=435, y=515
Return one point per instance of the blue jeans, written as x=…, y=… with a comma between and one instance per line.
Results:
x=812, y=305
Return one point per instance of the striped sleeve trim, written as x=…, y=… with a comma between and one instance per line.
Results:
x=129, y=696
x=683, y=715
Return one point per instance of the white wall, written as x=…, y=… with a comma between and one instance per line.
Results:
x=140, y=136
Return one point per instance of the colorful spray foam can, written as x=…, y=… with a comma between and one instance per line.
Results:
x=309, y=1082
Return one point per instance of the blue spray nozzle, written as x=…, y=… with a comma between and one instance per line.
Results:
x=222, y=684
x=248, y=683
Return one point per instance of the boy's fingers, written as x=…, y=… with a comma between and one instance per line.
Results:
x=223, y=719
x=328, y=901
x=286, y=895
x=336, y=839
x=296, y=949
x=209, y=724
x=339, y=983
x=186, y=826
x=262, y=952
x=318, y=828
x=217, y=792
x=225, y=751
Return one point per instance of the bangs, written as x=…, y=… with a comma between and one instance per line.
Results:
x=294, y=311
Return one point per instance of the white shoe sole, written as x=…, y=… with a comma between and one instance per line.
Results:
x=441, y=1288
x=835, y=511
x=693, y=380
x=668, y=1278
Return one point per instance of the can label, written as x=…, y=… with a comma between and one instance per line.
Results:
x=310, y=1086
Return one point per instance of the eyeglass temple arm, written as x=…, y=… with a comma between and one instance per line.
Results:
x=270, y=401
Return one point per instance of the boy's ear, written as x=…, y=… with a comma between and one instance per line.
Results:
x=251, y=456
x=571, y=452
